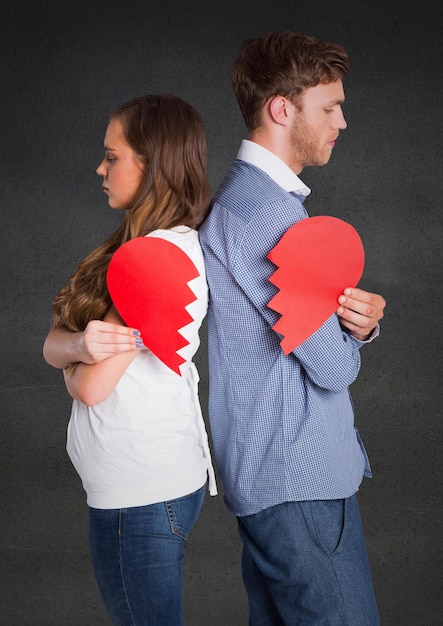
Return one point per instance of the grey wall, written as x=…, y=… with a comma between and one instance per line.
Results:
x=64, y=66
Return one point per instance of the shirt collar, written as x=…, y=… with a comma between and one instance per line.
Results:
x=270, y=163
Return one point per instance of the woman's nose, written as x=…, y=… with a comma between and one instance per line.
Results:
x=101, y=170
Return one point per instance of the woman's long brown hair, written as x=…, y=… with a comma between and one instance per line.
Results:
x=168, y=134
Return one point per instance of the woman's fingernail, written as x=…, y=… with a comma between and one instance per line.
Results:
x=136, y=333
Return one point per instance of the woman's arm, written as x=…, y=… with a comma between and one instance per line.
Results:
x=93, y=383
x=99, y=341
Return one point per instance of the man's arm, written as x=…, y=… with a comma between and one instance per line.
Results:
x=360, y=311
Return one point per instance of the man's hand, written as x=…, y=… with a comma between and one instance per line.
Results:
x=360, y=311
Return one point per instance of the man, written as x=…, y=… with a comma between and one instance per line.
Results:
x=289, y=456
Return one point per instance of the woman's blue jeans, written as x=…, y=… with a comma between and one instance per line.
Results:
x=305, y=563
x=137, y=556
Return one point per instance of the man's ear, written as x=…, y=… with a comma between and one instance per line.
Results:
x=280, y=110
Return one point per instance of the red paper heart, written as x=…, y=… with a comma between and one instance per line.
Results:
x=317, y=258
x=148, y=283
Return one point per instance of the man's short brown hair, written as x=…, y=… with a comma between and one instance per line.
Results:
x=282, y=64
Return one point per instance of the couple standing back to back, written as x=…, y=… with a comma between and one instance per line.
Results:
x=289, y=455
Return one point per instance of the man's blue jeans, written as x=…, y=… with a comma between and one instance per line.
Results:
x=137, y=556
x=305, y=563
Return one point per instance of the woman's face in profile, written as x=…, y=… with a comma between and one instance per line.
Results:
x=121, y=168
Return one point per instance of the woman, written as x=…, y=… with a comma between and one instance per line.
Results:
x=136, y=434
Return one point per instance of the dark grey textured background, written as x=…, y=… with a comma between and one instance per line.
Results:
x=64, y=66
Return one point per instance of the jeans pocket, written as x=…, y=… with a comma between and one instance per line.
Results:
x=329, y=521
x=183, y=512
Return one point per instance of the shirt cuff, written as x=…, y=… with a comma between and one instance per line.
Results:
x=375, y=333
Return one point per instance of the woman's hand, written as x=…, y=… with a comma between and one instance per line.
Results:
x=99, y=341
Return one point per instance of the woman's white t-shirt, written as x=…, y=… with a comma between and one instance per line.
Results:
x=147, y=442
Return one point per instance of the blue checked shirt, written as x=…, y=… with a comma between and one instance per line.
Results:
x=282, y=426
